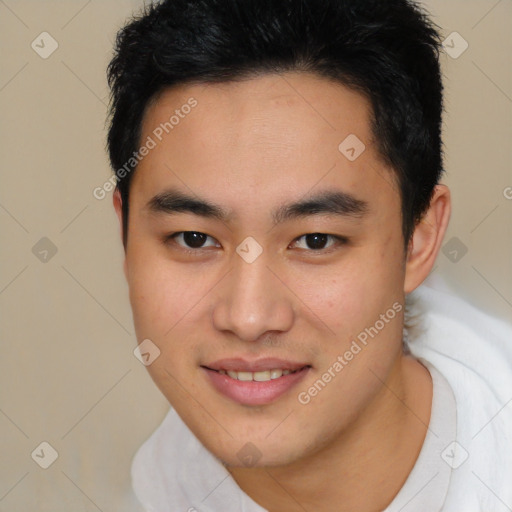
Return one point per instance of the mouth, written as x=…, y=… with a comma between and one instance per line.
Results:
x=258, y=383
x=262, y=376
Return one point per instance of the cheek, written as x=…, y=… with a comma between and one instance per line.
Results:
x=160, y=294
x=165, y=304
x=343, y=295
x=351, y=294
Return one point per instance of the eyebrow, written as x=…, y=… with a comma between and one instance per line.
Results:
x=338, y=203
x=331, y=202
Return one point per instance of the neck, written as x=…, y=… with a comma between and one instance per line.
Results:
x=364, y=468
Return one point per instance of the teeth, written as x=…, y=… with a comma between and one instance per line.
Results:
x=263, y=376
x=275, y=374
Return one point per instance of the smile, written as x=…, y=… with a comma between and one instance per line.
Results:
x=258, y=383
x=262, y=376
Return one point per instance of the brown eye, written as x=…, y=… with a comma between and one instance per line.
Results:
x=315, y=241
x=194, y=240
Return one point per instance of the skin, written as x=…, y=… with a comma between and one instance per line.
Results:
x=250, y=147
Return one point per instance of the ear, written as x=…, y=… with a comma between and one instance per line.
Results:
x=427, y=239
x=118, y=207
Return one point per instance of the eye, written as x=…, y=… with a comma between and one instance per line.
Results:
x=317, y=241
x=193, y=240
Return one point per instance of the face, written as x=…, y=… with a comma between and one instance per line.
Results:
x=263, y=245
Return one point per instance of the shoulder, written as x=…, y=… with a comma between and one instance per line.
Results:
x=452, y=328
x=473, y=351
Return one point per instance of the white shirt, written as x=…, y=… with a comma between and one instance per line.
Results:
x=465, y=463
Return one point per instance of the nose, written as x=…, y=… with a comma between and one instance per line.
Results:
x=252, y=301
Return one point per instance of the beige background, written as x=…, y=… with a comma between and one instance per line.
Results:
x=67, y=372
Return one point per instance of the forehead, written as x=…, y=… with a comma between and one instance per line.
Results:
x=275, y=135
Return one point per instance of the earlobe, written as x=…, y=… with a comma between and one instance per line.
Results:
x=427, y=239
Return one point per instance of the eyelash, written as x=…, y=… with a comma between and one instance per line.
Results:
x=339, y=241
x=188, y=250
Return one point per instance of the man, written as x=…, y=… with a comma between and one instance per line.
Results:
x=278, y=168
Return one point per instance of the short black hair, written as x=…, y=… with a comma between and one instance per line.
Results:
x=388, y=50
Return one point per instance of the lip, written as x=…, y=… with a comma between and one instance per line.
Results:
x=253, y=392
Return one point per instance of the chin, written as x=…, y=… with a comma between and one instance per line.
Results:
x=253, y=452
